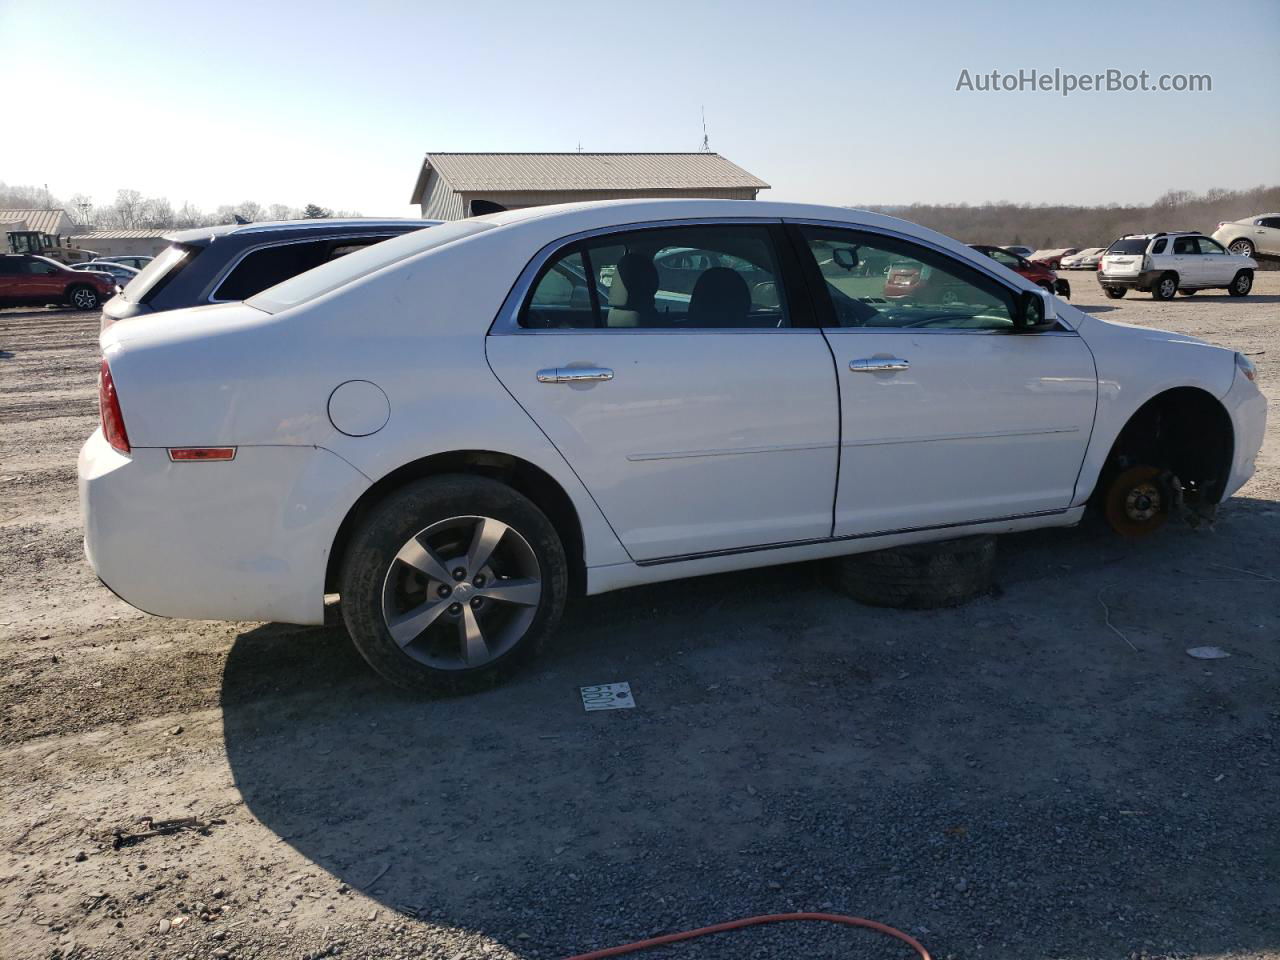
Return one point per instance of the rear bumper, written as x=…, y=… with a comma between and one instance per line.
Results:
x=247, y=539
x=1137, y=281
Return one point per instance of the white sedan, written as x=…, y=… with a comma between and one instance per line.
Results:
x=456, y=428
x=1086, y=259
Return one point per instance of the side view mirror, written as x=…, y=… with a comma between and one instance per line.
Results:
x=1033, y=311
x=845, y=257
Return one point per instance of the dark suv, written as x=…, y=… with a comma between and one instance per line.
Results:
x=233, y=262
x=26, y=279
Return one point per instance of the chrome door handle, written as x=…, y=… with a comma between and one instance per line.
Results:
x=574, y=375
x=879, y=364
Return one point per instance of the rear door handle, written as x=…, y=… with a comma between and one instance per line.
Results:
x=574, y=375
x=879, y=364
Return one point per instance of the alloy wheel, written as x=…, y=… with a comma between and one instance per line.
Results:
x=1243, y=283
x=1168, y=287
x=85, y=299
x=461, y=593
x=1242, y=248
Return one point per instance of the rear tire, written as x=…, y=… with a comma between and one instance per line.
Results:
x=455, y=629
x=1242, y=247
x=1114, y=293
x=1241, y=284
x=1165, y=288
x=83, y=298
x=921, y=576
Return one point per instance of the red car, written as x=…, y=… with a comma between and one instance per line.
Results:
x=1038, y=273
x=35, y=281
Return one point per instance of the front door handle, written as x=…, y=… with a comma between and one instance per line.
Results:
x=574, y=375
x=879, y=364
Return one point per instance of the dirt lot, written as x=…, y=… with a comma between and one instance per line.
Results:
x=1007, y=779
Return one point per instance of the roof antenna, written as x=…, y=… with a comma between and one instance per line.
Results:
x=706, y=141
x=579, y=146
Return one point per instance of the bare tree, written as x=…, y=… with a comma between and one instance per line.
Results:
x=279, y=211
x=127, y=209
x=157, y=213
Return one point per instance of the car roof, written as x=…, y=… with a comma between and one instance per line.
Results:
x=287, y=228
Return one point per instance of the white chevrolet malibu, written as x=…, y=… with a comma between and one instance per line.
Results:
x=454, y=428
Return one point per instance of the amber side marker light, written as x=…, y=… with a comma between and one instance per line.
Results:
x=186, y=454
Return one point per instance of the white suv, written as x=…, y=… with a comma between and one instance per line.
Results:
x=1168, y=263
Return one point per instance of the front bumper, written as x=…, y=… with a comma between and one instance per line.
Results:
x=246, y=539
x=1136, y=281
x=1247, y=407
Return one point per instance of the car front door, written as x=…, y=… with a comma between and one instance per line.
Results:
x=949, y=415
x=1217, y=267
x=45, y=280
x=701, y=420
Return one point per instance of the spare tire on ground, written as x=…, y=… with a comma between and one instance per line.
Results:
x=921, y=576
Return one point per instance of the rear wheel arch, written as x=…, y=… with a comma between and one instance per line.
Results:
x=522, y=476
x=1186, y=430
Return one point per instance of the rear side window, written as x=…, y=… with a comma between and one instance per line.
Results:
x=1184, y=245
x=9, y=266
x=680, y=278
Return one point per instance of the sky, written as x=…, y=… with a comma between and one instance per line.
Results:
x=837, y=102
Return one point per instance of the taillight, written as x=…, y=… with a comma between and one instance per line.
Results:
x=109, y=406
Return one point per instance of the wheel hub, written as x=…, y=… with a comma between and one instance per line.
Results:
x=1142, y=502
x=461, y=592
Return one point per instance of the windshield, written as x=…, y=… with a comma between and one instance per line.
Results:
x=1129, y=245
x=336, y=273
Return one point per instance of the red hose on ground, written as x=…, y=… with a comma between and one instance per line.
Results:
x=754, y=922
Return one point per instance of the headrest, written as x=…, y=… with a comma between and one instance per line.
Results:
x=635, y=281
x=720, y=298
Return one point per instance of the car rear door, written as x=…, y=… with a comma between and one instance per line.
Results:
x=1266, y=235
x=702, y=419
x=948, y=415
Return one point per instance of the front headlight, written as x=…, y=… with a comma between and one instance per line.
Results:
x=1246, y=366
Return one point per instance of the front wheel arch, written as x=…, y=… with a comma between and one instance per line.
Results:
x=1185, y=430
x=522, y=476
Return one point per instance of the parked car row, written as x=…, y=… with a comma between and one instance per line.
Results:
x=455, y=428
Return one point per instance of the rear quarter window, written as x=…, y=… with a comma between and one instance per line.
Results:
x=157, y=274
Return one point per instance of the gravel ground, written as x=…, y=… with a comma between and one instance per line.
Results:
x=1009, y=779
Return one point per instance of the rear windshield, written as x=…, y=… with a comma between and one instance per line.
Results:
x=1129, y=245
x=339, y=272
x=152, y=278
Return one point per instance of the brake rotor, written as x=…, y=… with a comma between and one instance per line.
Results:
x=1137, y=503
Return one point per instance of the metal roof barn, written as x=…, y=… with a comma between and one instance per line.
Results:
x=452, y=186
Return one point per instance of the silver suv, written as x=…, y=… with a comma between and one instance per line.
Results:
x=1174, y=262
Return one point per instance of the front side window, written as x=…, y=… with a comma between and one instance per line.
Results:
x=41, y=267
x=1006, y=258
x=875, y=281
x=679, y=278
x=1211, y=247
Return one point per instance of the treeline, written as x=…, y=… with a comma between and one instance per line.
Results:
x=1046, y=226
x=132, y=211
